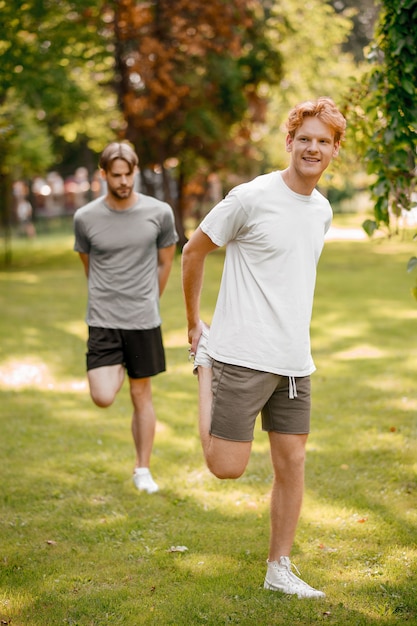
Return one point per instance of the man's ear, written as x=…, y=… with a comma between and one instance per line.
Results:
x=288, y=143
x=103, y=174
x=336, y=148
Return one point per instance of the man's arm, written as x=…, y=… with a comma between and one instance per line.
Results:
x=85, y=261
x=165, y=258
x=193, y=258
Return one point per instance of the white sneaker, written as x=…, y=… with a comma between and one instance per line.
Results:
x=279, y=577
x=143, y=480
x=201, y=356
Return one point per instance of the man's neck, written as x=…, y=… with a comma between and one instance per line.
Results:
x=303, y=186
x=121, y=204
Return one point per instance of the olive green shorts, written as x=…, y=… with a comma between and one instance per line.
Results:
x=240, y=394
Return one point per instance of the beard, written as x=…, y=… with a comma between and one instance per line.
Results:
x=121, y=193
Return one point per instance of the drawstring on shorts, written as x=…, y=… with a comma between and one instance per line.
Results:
x=292, y=389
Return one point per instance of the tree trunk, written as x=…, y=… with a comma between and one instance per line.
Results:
x=6, y=216
x=176, y=203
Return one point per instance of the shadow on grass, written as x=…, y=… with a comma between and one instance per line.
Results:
x=81, y=546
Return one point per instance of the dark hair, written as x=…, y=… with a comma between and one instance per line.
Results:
x=323, y=108
x=115, y=151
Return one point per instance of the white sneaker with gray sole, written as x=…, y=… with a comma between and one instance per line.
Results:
x=279, y=577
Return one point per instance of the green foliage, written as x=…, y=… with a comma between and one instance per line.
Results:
x=384, y=110
x=412, y=263
x=369, y=227
x=55, y=63
x=323, y=75
x=40, y=42
x=80, y=546
x=29, y=145
x=54, y=78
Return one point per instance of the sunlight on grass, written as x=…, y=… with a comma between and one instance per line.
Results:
x=76, y=328
x=325, y=514
x=388, y=382
x=180, y=368
x=176, y=339
x=363, y=351
x=23, y=277
x=199, y=564
x=33, y=373
x=81, y=546
x=14, y=601
x=231, y=497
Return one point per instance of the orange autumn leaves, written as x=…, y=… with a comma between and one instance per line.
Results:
x=163, y=50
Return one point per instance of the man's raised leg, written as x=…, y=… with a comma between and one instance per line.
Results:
x=224, y=458
x=105, y=382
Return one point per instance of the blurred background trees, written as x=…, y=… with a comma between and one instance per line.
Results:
x=56, y=108
x=191, y=78
x=383, y=112
x=201, y=90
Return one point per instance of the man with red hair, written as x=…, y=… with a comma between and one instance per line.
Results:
x=256, y=356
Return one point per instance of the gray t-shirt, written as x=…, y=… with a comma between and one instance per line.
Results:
x=123, y=290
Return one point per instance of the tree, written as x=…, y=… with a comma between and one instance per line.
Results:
x=385, y=107
x=54, y=55
x=54, y=59
x=189, y=80
x=324, y=74
x=193, y=81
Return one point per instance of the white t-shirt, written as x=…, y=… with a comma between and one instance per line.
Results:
x=273, y=238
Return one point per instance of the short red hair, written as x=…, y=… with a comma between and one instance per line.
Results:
x=325, y=109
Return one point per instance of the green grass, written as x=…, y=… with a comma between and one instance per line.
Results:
x=79, y=546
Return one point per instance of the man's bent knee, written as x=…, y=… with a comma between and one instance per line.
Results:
x=219, y=471
x=227, y=459
x=103, y=400
x=104, y=384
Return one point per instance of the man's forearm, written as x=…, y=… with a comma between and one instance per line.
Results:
x=192, y=283
x=85, y=260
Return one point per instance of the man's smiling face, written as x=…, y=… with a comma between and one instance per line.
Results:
x=312, y=148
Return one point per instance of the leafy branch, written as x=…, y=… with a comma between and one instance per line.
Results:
x=385, y=107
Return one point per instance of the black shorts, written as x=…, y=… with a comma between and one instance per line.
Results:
x=141, y=352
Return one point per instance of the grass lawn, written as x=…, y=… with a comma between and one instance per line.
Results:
x=79, y=546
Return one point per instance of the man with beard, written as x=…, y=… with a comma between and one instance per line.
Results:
x=126, y=242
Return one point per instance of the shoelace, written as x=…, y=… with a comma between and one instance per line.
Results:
x=289, y=564
x=298, y=586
